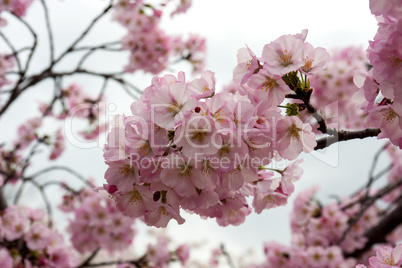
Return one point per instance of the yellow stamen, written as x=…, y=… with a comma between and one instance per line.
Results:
x=285, y=58
x=269, y=84
x=293, y=132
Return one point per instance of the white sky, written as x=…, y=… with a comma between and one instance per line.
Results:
x=227, y=25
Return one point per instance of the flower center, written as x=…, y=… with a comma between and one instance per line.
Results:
x=395, y=61
x=293, y=131
x=174, y=107
x=307, y=64
x=199, y=135
x=184, y=170
x=162, y=211
x=390, y=115
x=224, y=150
x=126, y=170
x=248, y=65
x=387, y=259
x=269, y=84
x=285, y=58
x=135, y=197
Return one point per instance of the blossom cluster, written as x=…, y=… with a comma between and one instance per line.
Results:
x=18, y=7
x=320, y=234
x=26, y=241
x=339, y=108
x=74, y=103
x=97, y=224
x=187, y=147
x=6, y=63
x=381, y=86
x=151, y=48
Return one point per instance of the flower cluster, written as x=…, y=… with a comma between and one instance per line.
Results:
x=150, y=47
x=381, y=86
x=18, y=7
x=97, y=223
x=337, y=78
x=74, y=103
x=320, y=234
x=6, y=63
x=26, y=241
x=185, y=146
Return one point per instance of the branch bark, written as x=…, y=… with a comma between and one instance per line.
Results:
x=343, y=135
x=3, y=202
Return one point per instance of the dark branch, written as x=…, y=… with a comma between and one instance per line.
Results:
x=86, y=31
x=378, y=233
x=344, y=135
x=89, y=259
x=3, y=202
x=49, y=31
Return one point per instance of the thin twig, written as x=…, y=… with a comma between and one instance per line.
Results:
x=67, y=169
x=89, y=259
x=82, y=36
x=45, y=200
x=13, y=49
x=35, y=43
x=49, y=31
x=373, y=165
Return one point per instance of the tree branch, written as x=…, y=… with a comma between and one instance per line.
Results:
x=3, y=202
x=72, y=46
x=378, y=233
x=344, y=135
x=49, y=31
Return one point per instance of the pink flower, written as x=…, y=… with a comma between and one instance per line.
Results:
x=59, y=257
x=294, y=137
x=283, y=55
x=182, y=8
x=37, y=237
x=14, y=223
x=314, y=58
x=268, y=87
x=203, y=87
x=247, y=65
x=390, y=123
x=5, y=258
x=184, y=176
x=234, y=211
x=136, y=202
x=183, y=253
x=198, y=135
x=122, y=174
x=387, y=257
x=161, y=216
x=170, y=104
x=58, y=146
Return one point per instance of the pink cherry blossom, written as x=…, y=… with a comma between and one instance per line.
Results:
x=314, y=58
x=387, y=257
x=268, y=87
x=283, y=55
x=294, y=137
x=247, y=65
x=198, y=135
x=203, y=87
x=171, y=104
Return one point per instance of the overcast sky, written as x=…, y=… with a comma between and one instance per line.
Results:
x=227, y=25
